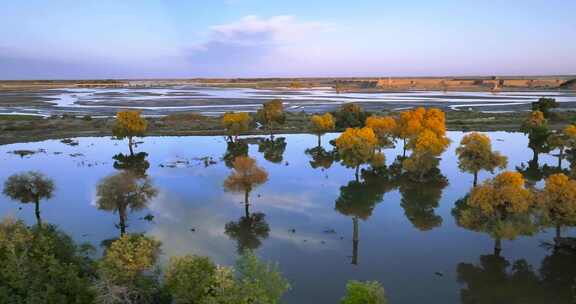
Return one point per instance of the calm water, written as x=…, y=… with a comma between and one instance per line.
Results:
x=407, y=237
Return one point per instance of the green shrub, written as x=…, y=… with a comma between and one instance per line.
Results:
x=370, y=292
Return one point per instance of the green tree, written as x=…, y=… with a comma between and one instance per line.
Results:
x=536, y=127
x=135, y=163
x=122, y=192
x=127, y=271
x=42, y=265
x=475, y=154
x=350, y=115
x=545, y=105
x=273, y=149
x=259, y=282
x=29, y=187
x=370, y=292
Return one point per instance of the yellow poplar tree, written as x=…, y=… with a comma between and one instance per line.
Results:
x=236, y=123
x=322, y=124
x=384, y=128
x=356, y=146
x=475, y=154
x=272, y=113
x=129, y=124
x=558, y=201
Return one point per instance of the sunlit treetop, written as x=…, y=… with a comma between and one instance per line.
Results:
x=558, y=199
x=236, y=123
x=435, y=121
x=384, y=128
x=356, y=146
x=429, y=142
x=410, y=123
x=536, y=120
x=322, y=123
x=246, y=175
x=501, y=195
x=475, y=154
x=129, y=123
x=272, y=112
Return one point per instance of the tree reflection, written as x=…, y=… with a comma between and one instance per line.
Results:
x=420, y=199
x=248, y=231
x=124, y=192
x=507, y=227
x=496, y=280
x=321, y=158
x=29, y=187
x=234, y=149
x=135, y=163
x=273, y=149
x=358, y=199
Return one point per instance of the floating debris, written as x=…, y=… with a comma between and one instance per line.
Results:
x=292, y=230
x=69, y=141
x=76, y=154
x=24, y=153
x=439, y=274
x=330, y=231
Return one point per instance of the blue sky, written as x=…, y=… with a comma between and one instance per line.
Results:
x=64, y=39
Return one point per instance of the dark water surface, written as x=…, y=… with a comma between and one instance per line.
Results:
x=406, y=236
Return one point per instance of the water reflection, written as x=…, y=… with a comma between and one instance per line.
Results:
x=420, y=199
x=122, y=193
x=233, y=150
x=30, y=187
x=272, y=149
x=248, y=231
x=321, y=158
x=135, y=163
x=497, y=280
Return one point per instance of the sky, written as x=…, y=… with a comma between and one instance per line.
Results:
x=96, y=39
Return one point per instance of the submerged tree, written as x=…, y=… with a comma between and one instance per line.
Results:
x=245, y=177
x=129, y=124
x=501, y=207
x=356, y=147
x=124, y=192
x=475, y=154
x=558, y=202
x=322, y=124
x=248, y=231
x=271, y=114
x=29, y=187
x=235, y=124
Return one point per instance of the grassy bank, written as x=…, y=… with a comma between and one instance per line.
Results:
x=22, y=128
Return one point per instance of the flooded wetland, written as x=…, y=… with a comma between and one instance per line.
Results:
x=311, y=214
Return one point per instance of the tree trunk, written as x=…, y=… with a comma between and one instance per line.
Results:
x=558, y=235
x=560, y=157
x=319, y=140
x=355, y=241
x=246, y=204
x=130, y=143
x=356, y=174
x=475, y=178
x=535, y=157
x=404, y=149
x=122, y=215
x=497, y=247
x=37, y=212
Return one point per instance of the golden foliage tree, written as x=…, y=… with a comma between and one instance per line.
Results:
x=384, y=127
x=501, y=206
x=245, y=176
x=129, y=124
x=356, y=146
x=271, y=114
x=409, y=125
x=236, y=123
x=322, y=124
x=475, y=154
x=558, y=201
